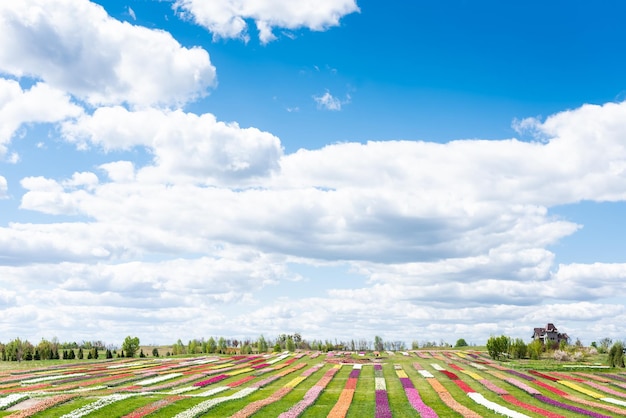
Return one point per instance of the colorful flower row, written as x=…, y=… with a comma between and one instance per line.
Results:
x=240, y=381
x=154, y=406
x=413, y=396
x=42, y=405
x=212, y=380
x=100, y=403
x=49, y=378
x=452, y=403
x=311, y=395
x=158, y=379
x=345, y=397
x=383, y=410
x=497, y=408
x=572, y=408
x=277, y=376
x=254, y=407
x=203, y=407
x=10, y=400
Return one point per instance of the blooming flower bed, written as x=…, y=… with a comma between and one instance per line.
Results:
x=311, y=395
x=154, y=406
x=345, y=397
x=94, y=406
x=42, y=405
x=414, y=397
x=382, y=399
x=11, y=400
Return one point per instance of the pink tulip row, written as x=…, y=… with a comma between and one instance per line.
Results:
x=154, y=406
x=254, y=407
x=311, y=395
x=42, y=406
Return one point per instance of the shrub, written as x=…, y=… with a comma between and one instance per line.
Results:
x=560, y=355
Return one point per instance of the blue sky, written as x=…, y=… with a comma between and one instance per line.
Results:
x=338, y=168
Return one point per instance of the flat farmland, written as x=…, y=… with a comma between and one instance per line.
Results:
x=423, y=383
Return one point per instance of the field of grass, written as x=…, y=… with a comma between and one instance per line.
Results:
x=444, y=383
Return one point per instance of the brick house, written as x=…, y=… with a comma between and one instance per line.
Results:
x=549, y=335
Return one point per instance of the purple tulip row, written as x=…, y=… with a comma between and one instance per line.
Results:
x=415, y=399
x=572, y=408
x=383, y=410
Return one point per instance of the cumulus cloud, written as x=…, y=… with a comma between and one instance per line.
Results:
x=111, y=62
x=183, y=144
x=40, y=103
x=435, y=236
x=227, y=19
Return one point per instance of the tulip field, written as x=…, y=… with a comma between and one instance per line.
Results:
x=421, y=383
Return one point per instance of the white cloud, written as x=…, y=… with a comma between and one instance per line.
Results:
x=453, y=237
x=227, y=19
x=183, y=144
x=111, y=62
x=3, y=187
x=329, y=102
x=40, y=103
x=131, y=12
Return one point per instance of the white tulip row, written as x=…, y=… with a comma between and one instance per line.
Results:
x=203, y=407
x=11, y=400
x=497, y=408
x=94, y=406
x=379, y=383
x=47, y=378
x=158, y=379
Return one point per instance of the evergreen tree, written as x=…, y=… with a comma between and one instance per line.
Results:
x=155, y=352
x=80, y=353
x=109, y=354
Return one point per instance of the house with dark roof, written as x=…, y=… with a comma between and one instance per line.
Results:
x=549, y=335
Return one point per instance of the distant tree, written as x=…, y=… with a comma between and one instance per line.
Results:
x=155, y=352
x=498, y=347
x=246, y=349
x=141, y=354
x=211, y=346
x=290, y=344
x=277, y=347
x=616, y=355
x=518, y=348
x=130, y=346
x=534, y=349
x=109, y=354
x=378, y=343
x=261, y=344
x=605, y=343
x=221, y=345
x=36, y=356
x=80, y=353
x=460, y=343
